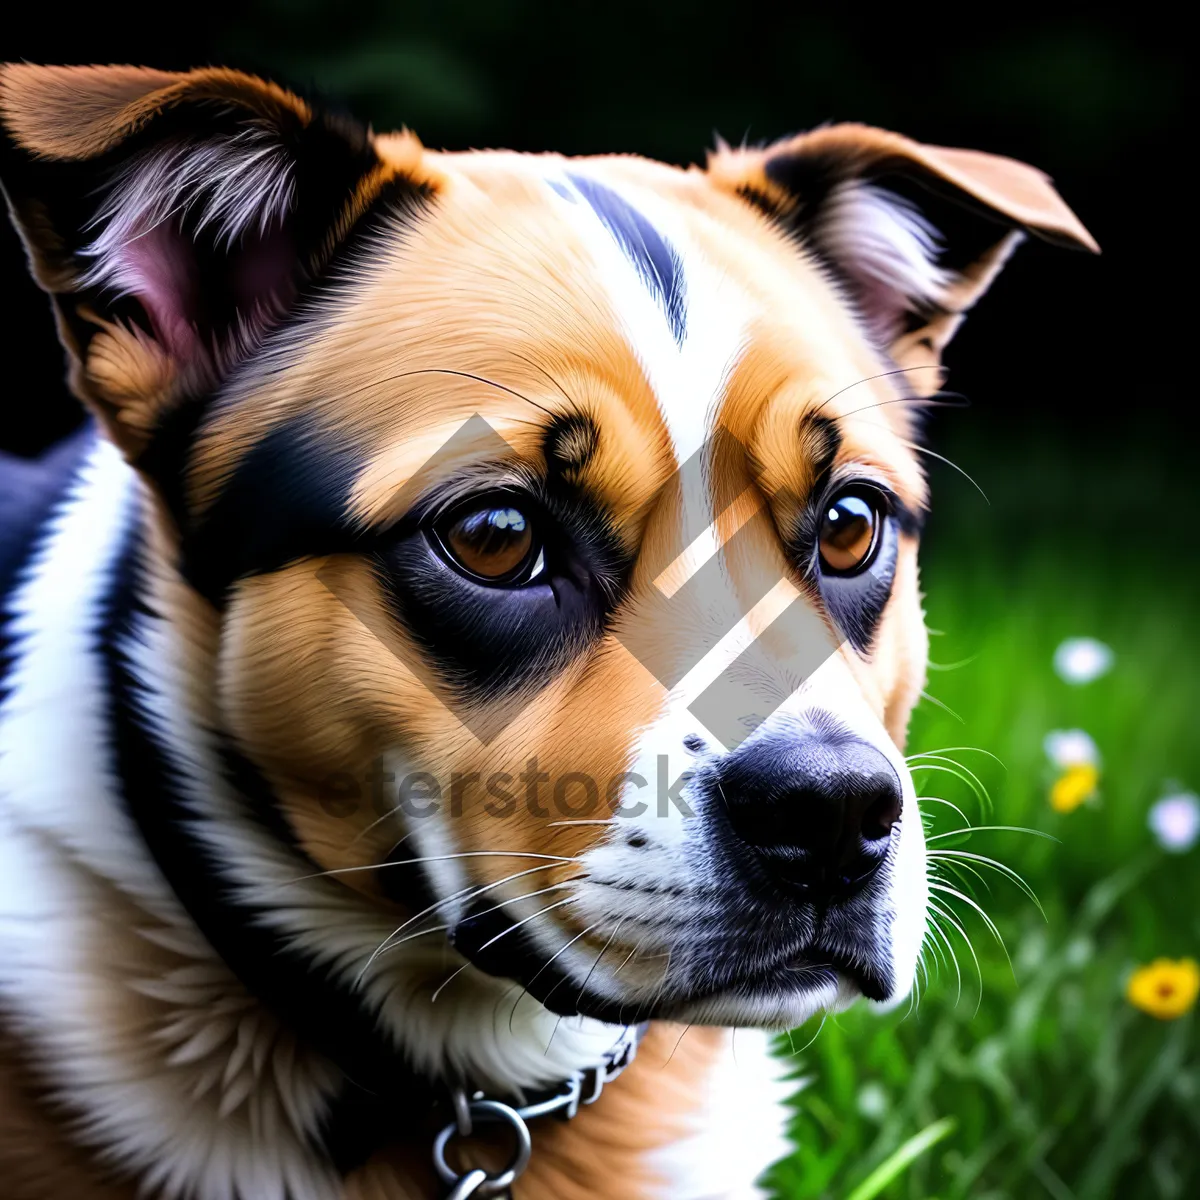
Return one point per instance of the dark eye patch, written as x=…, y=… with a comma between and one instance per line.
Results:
x=487, y=639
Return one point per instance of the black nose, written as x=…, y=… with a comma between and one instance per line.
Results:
x=818, y=808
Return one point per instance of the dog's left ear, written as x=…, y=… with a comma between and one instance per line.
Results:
x=177, y=219
x=914, y=233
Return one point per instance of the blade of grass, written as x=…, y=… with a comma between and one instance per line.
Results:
x=902, y=1158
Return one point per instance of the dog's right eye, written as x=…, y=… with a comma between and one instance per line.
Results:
x=493, y=540
x=501, y=587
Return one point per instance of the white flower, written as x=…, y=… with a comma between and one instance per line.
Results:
x=1082, y=659
x=1070, y=748
x=1175, y=821
x=872, y=1101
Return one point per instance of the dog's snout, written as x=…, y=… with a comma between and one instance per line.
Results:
x=817, y=809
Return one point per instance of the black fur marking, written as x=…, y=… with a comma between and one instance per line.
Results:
x=286, y=500
x=495, y=644
x=826, y=443
x=30, y=492
x=651, y=254
x=394, y=211
x=303, y=994
x=570, y=443
x=166, y=455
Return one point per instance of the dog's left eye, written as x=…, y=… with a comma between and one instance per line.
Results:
x=854, y=558
x=493, y=540
x=849, y=534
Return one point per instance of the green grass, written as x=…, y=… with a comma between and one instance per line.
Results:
x=1048, y=1082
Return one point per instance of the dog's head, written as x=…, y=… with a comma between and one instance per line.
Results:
x=545, y=530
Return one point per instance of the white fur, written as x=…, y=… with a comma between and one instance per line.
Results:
x=166, y=1063
x=739, y=1127
x=689, y=378
x=887, y=246
x=883, y=240
x=236, y=183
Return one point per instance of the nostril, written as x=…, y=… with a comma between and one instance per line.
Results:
x=880, y=815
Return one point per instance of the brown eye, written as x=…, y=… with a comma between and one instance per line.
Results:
x=849, y=533
x=493, y=541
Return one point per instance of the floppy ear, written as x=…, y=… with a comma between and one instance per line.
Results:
x=175, y=218
x=914, y=233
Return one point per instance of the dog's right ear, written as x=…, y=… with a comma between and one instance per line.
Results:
x=174, y=218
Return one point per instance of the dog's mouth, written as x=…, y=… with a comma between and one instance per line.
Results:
x=728, y=979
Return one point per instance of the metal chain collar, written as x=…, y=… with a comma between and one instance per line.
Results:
x=583, y=1087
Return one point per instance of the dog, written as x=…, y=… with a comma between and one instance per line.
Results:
x=469, y=646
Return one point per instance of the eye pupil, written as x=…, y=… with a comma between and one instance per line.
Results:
x=848, y=533
x=492, y=541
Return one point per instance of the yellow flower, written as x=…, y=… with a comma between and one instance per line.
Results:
x=1075, y=785
x=1166, y=989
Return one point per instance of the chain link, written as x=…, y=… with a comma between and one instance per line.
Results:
x=468, y=1185
x=583, y=1087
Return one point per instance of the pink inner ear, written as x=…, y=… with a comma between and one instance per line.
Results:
x=261, y=276
x=887, y=250
x=238, y=290
x=159, y=269
x=205, y=302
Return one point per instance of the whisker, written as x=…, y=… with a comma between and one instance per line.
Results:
x=591, y=970
x=991, y=863
x=408, y=862
x=362, y=833
x=945, y=887
x=811, y=1040
x=412, y=937
x=954, y=666
x=916, y=446
x=929, y=762
x=981, y=793
x=958, y=749
x=996, y=829
x=467, y=893
x=943, y=706
x=949, y=916
x=937, y=866
x=460, y=374
x=491, y=941
x=871, y=379
x=949, y=804
x=686, y=1030
x=538, y=367
x=937, y=929
x=554, y=887
x=937, y=400
x=561, y=950
x=625, y=962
